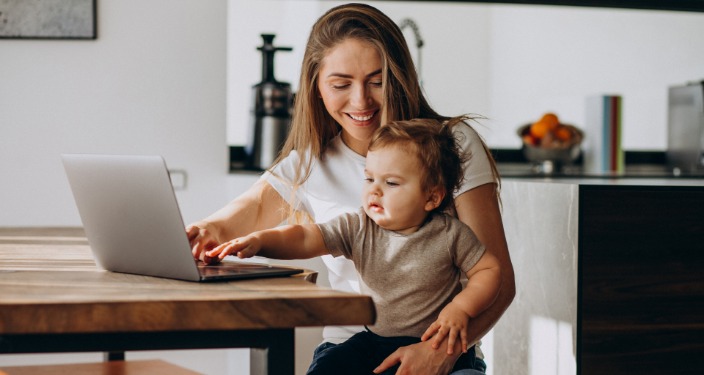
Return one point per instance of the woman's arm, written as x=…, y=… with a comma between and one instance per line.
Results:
x=479, y=209
x=260, y=207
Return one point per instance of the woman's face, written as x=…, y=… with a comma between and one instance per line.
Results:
x=350, y=85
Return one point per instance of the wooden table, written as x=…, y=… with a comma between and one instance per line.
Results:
x=53, y=298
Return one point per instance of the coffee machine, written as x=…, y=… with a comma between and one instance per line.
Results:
x=270, y=113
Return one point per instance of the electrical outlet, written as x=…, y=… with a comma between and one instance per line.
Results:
x=179, y=178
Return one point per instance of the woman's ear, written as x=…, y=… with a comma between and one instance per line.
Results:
x=435, y=197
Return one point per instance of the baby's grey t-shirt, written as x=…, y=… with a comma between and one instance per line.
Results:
x=409, y=277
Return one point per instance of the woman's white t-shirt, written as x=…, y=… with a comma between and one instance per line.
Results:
x=335, y=186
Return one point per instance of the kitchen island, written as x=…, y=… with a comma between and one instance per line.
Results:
x=608, y=274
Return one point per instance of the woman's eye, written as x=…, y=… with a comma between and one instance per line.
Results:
x=376, y=83
x=340, y=86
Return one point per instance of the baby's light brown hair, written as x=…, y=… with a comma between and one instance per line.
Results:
x=434, y=144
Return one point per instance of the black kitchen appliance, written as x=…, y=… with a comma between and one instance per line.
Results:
x=270, y=112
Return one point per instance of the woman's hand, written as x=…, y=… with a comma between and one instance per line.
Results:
x=258, y=208
x=202, y=240
x=420, y=359
x=451, y=323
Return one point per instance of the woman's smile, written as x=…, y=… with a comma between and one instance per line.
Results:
x=365, y=117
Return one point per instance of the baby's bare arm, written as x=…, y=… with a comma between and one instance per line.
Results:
x=284, y=242
x=484, y=283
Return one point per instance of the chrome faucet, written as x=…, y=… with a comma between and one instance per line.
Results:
x=407, y=22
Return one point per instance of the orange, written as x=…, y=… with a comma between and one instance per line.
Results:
x=551, y=120
x=530, y=140
x=563, y=133
x=539, y=129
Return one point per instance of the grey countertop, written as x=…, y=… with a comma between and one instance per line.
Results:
x=639, y=175
x=637, y=171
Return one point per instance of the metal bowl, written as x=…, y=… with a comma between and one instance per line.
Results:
x=554, y=156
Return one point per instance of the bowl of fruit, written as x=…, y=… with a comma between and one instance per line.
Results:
x=550, y=141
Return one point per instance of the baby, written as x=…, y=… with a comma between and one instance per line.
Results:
x=408, y=252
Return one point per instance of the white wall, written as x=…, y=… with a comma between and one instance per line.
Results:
x=552, y=58
x=510, y=63
x=153, y=82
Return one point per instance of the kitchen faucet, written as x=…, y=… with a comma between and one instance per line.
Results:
x=407, y=22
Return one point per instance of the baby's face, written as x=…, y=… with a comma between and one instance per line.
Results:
x=393, y=195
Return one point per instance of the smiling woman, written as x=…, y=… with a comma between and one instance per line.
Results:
x=357, y=73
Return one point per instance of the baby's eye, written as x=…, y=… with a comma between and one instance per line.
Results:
x=392, y=183
x=368, y=179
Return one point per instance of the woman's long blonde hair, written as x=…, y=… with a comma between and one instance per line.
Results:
x=312, y=127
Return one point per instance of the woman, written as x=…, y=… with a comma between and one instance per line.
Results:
x=357, y=74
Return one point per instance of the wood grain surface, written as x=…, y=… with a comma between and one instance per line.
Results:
x=642, y=289
x=50, y=284
x=141, y=367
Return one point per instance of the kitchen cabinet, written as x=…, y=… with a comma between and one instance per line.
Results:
x=608, y=274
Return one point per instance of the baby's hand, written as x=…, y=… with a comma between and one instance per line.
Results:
x=243, y=247
x=452, y=322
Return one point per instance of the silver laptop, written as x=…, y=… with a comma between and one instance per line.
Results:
x=133, y=223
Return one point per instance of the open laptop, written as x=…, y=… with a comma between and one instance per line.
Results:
x=133, y=223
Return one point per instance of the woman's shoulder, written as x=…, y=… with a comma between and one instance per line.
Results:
x=478, y=169
x=466, y=134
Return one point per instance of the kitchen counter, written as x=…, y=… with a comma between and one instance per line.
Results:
x=648, y=171
x=608, y=275
x=638, y=164
x=624, y=180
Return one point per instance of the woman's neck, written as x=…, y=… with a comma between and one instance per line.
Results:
x=360, y=147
